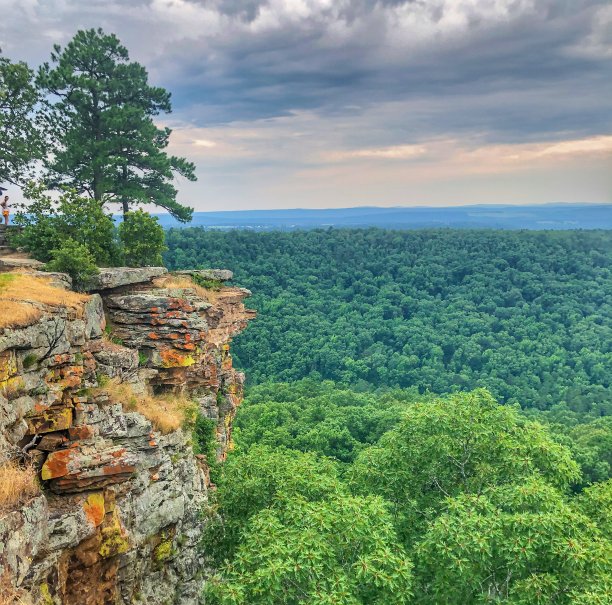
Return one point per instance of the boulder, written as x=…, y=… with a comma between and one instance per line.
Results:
x=78, y=468
x=214, y=274
x=10, y=263
x=115, y=277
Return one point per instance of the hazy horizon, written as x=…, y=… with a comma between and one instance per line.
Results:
x=477, y=216
x=349, y=103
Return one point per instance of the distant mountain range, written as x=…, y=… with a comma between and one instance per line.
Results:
x=549, y=216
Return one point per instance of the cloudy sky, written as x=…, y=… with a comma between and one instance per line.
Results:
x=321, y=103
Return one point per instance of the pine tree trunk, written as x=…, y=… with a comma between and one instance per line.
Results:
x=124, y=199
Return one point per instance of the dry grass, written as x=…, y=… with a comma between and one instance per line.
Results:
x=18, y=314
x=17, y=485
x=20, y=293
x=10, y=595
x=167, y=413
x=184, y=283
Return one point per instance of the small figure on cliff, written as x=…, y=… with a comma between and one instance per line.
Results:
x=5, y=209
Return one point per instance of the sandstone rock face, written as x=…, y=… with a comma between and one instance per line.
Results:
x=117, y=521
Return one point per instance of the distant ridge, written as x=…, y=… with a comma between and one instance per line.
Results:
x=548, y=216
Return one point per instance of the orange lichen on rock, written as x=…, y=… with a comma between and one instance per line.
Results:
x=94, y=508
x=56, y=465
x=81, y=432
x=172, y=358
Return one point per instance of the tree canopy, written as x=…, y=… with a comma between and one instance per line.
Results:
x=527, y=315
x=462, y=501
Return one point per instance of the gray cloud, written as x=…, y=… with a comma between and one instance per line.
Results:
x=360, y=53
x=246, y=59
x=367, y=73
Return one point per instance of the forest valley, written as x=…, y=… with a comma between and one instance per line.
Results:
x=428, y=419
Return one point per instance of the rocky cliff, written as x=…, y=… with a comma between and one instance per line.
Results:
x=99, y=394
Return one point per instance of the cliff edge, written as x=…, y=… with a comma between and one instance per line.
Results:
x=99, y=394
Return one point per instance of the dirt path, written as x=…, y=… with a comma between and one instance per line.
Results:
x=10, y=258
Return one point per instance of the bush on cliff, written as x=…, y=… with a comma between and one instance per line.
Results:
x=73, y=234
x=142, y=239
x=48, y=223
x=76, y=260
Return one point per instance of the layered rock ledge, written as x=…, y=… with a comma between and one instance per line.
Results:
x=117, y=520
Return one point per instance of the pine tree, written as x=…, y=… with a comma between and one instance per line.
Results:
x=100, y=118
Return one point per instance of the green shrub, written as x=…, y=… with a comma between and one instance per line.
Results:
x=209, y=284
x=76, y=260
x=205, y=437
x=47, y=223
x=142, y=238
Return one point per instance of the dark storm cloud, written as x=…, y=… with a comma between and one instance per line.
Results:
x=244, y=9
x=344, y=102
x=506, y=69
x=361, y=53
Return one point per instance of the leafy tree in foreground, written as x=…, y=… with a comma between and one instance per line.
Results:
x=101, y=124
x=340, y=551
x=516, y=544
x=260, y=479
x=20, y=142
x=596, y=502
x=142, y=239
x=49, y=222
x=462, y=444
x=477, y=496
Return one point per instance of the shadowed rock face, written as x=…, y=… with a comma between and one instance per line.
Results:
x=118, y=518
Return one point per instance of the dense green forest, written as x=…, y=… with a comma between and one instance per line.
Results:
x=333, y=496
x=527, y=315
x=370, y=465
